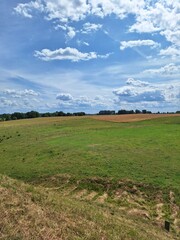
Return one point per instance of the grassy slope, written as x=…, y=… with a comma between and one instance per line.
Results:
x=28, y=212
x=95, y=155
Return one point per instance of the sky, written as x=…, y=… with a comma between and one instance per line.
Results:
x=89, y=55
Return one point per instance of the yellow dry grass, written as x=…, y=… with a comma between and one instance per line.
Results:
x=29, y=212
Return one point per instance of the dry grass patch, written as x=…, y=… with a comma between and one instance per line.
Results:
x=28, y=212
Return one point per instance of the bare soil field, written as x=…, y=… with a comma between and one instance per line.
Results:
x=131, y=117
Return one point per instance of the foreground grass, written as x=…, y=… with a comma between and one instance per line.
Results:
x=28, y=212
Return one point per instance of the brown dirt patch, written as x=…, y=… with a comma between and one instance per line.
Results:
x=81, y=193
x=91, y=196
x=138, y=212
x=131, y=117
x=102, y=198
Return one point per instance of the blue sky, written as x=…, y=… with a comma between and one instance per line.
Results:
x=61, y=55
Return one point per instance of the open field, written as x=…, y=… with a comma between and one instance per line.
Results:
x=132, y=117
x=125, y=172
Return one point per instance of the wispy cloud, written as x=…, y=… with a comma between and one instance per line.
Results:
x=90, y=27
x=138, y=43
x=20, y=93
x=167, y=70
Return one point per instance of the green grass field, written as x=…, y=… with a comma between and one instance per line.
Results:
x=97, y=155
x=146, y=151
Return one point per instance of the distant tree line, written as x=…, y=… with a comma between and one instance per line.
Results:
x=35, y=114
x=123, y=111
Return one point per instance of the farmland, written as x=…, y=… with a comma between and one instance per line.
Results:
x=132, y=117
x=117, y=166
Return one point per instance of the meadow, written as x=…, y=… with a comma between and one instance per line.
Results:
x=133, y=160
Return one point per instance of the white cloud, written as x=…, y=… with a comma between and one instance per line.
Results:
x=18, y=93
x=7, y=102
x=171, y=51
x=166, y=70
x=172, y=35
x=157, y=93
x=26, y=9
x=68, y=53
x=59, y=26
x=138, y=43
x=76, y=10
x=151, y=16
x=146, y=27
x=163, y=16
x=90, y=27
x=66, y=97
x=83, y=102
x=85, y=43
x=18, y=100
x=137, y=83
x=80, y=43
x=71, y=32
x=63, y=10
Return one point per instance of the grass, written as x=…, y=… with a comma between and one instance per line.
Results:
x=109, y=175
x=29, y=212
x=146, y=151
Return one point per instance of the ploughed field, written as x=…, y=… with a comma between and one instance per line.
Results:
x=123, y=169
x=131, y=117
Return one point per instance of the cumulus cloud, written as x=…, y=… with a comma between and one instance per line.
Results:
x=19, y=100
x=137, y=83
x=63, y=10
x=134, y=95
x=172, y=35
x=66, y=97
x=171, y=51
x=76, y=10
x=159, y=15
x=138, y=43
x=151, y=16
x=139, y=91
x=68, y=53
x=146, y=27
x=27, y=9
